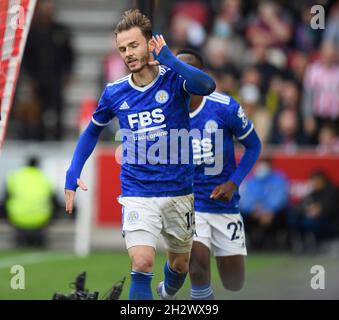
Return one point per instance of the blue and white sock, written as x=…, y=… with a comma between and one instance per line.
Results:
x=202, y=292
x=173, y=281
x=140, y=288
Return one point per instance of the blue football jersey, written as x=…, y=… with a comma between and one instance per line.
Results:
x=216, y=113
x=146, y=116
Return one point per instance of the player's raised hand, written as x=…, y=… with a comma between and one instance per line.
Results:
x=159, y=43
x=224, y=192
x=70, y=194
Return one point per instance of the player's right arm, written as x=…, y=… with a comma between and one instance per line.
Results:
x=197, y=82
x=243, y=129
x=84, y=148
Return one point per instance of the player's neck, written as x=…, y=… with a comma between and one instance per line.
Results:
x=195, y=102
x=145, y=76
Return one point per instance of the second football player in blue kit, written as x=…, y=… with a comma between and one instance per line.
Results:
x=219, y=225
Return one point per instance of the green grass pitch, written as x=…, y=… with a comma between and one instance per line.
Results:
x=267, y=276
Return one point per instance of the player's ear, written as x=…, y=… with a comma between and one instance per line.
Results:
x=151, y=45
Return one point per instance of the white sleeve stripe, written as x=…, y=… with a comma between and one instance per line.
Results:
x=247, y=133
x=184, y=86
x=220, y=96
x=118, y=81
x=223, y=101
x=100, y=124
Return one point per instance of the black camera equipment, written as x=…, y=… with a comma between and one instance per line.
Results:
x=115, y=292
x=80, y=293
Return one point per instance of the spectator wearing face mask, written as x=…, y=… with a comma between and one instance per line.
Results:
x=261, y=118
x=264, y=200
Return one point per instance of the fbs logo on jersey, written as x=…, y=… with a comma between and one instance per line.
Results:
x=211, y=126
x=146, y=118
x=132, y=217
x=161, y=96
x=124, y=106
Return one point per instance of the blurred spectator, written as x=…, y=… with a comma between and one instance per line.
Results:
x=290, y=97
x=331, y=32
x=306, y=38
x=249, y=99
x=252, y=76
x=298, y=62
x=187, y=32
x=290, y=125
x=29, y=203
x=229, y=84
x=178, y=31
x=287, y=134
x=48, y=60
x=274, y=92
x=270, y=26
x=229, y=25
x=217, y=57
x=267, y=70
x=189, y=20
x=264, y=200
x=317, y=216
x=321, y=90
x=229, y=21
x=328, y=139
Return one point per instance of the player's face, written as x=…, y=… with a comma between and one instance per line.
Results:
x=134, y=49
x=189, y=59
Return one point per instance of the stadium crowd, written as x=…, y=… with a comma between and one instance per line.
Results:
x=267, y=55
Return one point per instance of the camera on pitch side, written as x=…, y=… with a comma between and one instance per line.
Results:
x=81, y=293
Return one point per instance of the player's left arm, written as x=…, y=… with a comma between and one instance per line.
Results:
x=197, y=81
x=245, y=133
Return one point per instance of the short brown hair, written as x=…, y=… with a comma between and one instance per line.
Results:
x=134, y=18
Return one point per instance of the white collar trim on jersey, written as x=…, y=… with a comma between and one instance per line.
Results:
x=142, y=89
x=197, y=110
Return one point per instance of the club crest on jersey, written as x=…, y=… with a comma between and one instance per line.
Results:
x=242, y=116
x=132, y=217
x=161, y=96
x=211, y=126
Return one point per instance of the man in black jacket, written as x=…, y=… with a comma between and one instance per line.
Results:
x=48, y=60
x=318, y=214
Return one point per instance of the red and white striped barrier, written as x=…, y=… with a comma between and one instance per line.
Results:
x=15, y=21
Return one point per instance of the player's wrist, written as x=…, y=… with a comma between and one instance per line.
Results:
x=71, y=181
x=233, y=184
x=165, y=56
